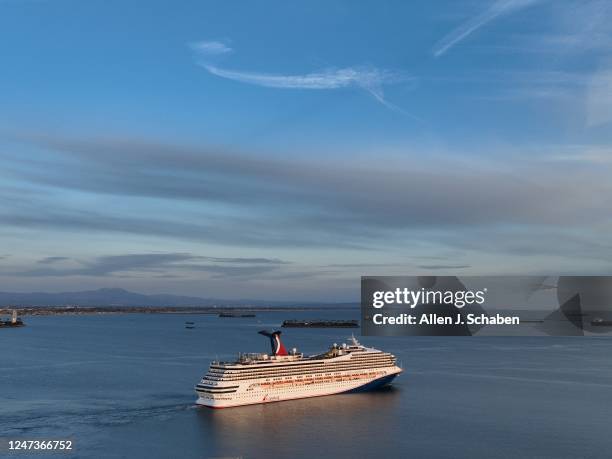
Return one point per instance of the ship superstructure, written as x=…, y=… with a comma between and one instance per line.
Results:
x=282, y=375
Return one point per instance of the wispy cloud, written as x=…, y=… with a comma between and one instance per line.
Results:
x=497, y=9
x=599, y=98
x=164, y=263
x=328, y=79
x=51, y=260
x=572, y=29
x=258, y=261
x=530, y=85
x=443, y=267
x=210, y=48
x=368, y=79
x=585, y=154
x=363, y=265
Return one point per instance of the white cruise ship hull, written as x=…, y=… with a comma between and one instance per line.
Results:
x=252, y=392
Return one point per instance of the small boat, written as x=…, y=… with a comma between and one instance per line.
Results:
x=317, y=323
x=599, y=322
x=236, y=314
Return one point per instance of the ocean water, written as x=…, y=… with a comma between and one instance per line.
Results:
x=122, y=386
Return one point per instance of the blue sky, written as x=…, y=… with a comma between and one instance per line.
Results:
x=282, y=149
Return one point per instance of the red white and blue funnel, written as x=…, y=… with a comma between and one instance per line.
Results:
x=277, y=345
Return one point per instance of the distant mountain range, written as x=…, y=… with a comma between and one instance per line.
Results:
x=121, y=297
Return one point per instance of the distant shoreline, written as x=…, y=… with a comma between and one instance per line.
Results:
x=92, y=310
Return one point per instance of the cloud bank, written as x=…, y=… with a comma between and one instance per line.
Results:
x=285, y=202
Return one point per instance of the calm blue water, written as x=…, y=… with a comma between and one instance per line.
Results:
x=121, y=386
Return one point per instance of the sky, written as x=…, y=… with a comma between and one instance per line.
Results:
x=281, y=150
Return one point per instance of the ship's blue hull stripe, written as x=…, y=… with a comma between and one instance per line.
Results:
x=376, y=384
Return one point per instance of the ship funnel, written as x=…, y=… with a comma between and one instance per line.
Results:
x=275, y=341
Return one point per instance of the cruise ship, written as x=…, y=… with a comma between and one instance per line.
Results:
x=282, y=375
